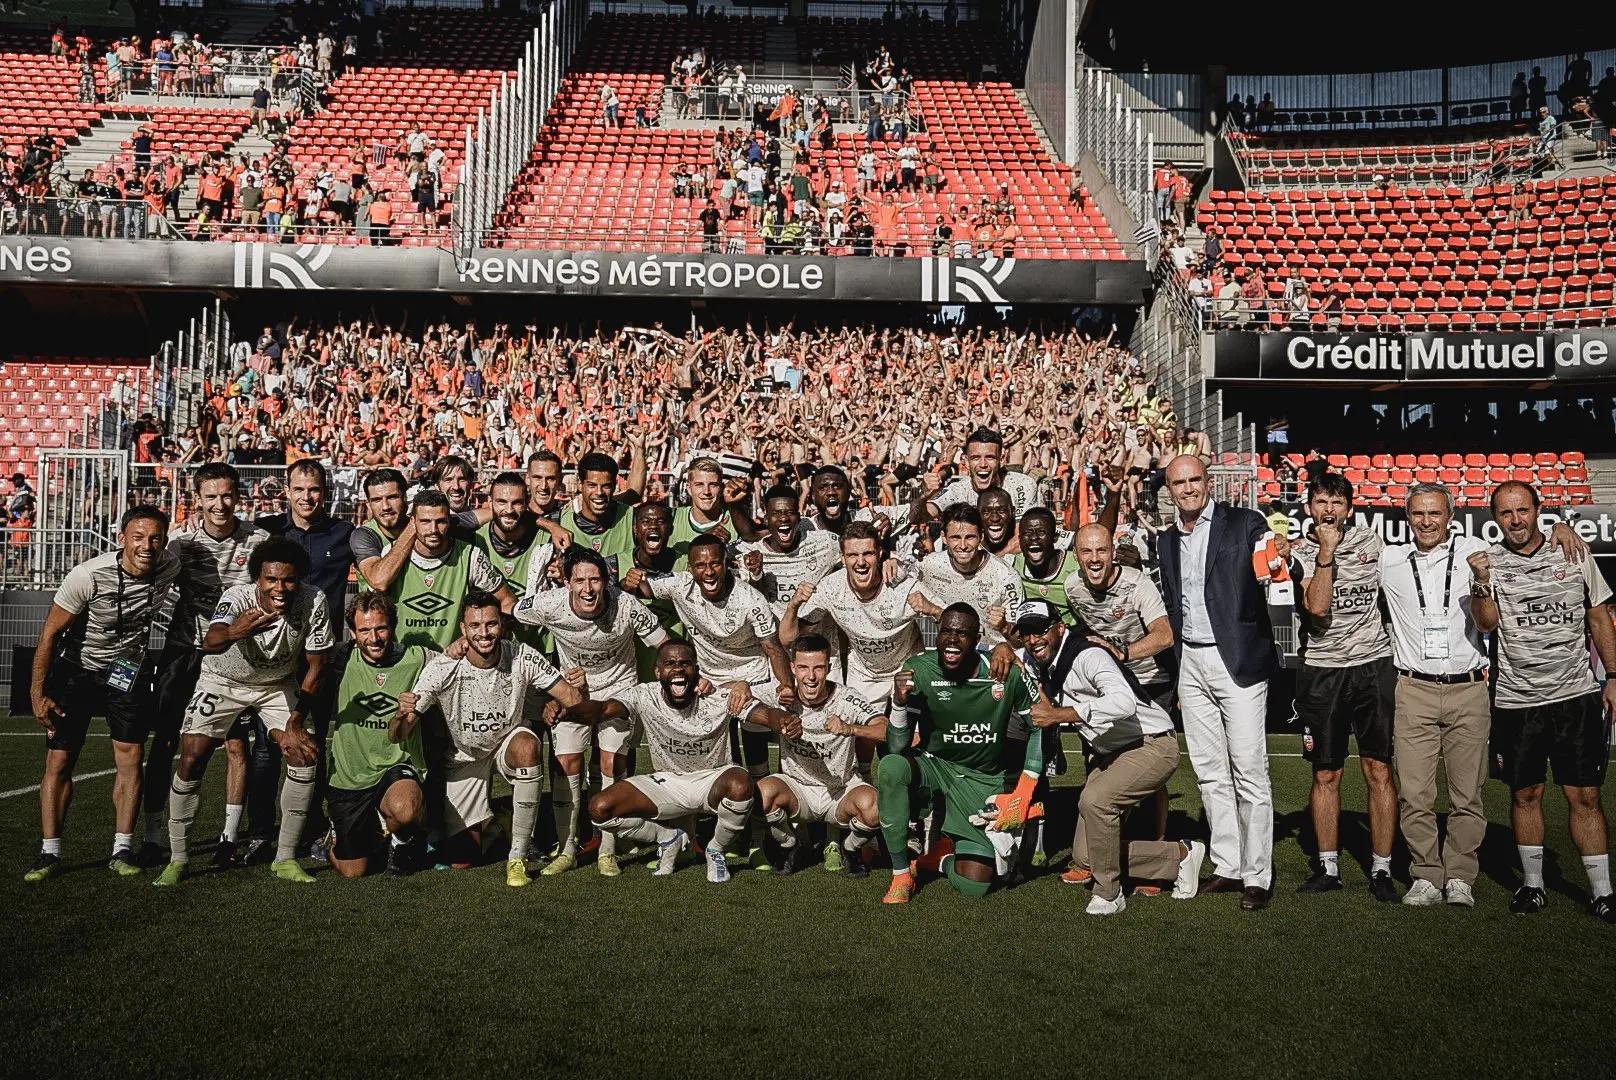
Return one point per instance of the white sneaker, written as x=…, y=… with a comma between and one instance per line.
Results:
x=1460, y=894
x=1100, y=906
x=667, y=853
x=1422, y=894
x=717, y=868
x=1188, y=882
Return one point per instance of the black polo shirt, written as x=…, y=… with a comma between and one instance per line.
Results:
x=330, y=556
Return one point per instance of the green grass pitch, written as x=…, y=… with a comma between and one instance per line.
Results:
x=453, y=974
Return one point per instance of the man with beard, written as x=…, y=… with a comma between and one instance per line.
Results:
x=818, y=779
x=1547, y=709
x=381, y=546
x=1346, y=683
x=735, y=634
x=483, y=696
x=376, y=770
x=965, y=572
x=830, y=494
x=258, y=634
x=1132, y=755
x=595, y=628
x=439, y=571
x=512, y=539
x=1120, y=609
x=948, y=737
x=690, y=753
x=984, y=457
x=454, y=476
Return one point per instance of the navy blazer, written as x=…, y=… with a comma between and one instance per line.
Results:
x=1235, y=599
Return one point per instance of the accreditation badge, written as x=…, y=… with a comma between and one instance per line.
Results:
x=1436, y=639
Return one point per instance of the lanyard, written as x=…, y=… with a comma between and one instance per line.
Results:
x=1419, y=585
x=117, y=627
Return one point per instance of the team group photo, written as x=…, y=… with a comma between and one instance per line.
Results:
x=568, y=537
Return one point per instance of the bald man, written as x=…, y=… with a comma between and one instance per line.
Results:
x=1121, y=609
x=1224, y=646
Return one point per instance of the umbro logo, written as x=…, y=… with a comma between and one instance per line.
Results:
x=428, y=603
x=377, y=704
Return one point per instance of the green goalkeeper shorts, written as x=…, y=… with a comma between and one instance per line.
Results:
x=965, y=792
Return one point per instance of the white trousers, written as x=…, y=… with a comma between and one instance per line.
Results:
x=1223, y=729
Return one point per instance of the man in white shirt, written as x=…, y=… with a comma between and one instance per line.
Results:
x=1225, y=649
x=1442, y=710
x=1131, y=753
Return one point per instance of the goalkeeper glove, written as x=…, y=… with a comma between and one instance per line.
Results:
x=1016, y=808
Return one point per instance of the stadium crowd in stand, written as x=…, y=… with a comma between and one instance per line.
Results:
x=881, y=403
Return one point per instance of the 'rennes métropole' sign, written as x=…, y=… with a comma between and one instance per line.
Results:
x=1588, y=353
x=710, y=275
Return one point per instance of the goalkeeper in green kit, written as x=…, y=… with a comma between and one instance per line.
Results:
x=963, y=715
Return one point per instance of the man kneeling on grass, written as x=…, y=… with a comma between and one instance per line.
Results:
x=962, y=714
x=688, y=733
x=484, y=699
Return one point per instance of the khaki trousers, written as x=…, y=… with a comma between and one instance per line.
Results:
x=1447, y=723
x=1108, y=794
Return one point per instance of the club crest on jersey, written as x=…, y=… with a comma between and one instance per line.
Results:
x=1118, y=612
x=241, y=560
x=1559, y=573
x=510, y=568
x=1363, y=556
x=381, y=679
x=427, y=580
x=998, y=691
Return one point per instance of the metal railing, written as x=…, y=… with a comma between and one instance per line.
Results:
x=1327, y=310
x=1109, y=131
x=1425, y=97
x=502, y=138
x=1467, y=163
x=121, y=219
x=846, y=104
x=1167, y=338
x=687, y=238
x=184, y=366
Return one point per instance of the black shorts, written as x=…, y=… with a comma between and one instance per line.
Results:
x=1332, y=703
x=176, y=682
x=82, y=694
x=356, y=815
x=1571, y=736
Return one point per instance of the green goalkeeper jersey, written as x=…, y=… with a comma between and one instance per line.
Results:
x=366, y=701
x=965, y=722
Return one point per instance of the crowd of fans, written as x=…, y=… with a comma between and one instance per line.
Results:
x=887, y=405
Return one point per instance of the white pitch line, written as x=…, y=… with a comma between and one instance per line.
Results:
x=38, y=734
x=13, y=793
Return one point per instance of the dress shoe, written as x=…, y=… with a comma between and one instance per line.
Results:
x=1254, y=898
x=1221, y=884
